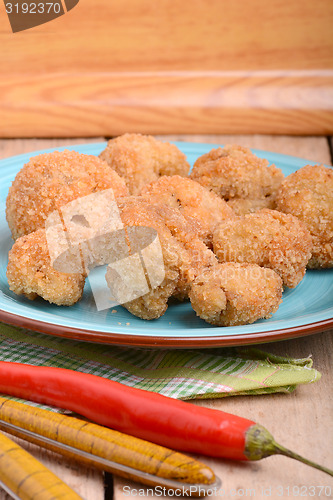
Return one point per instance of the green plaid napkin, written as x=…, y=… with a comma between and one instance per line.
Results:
x=182, y=374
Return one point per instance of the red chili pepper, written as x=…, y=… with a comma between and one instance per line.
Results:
x=143, y=414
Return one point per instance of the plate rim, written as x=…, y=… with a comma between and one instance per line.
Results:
x=164, y=341
x=119, y=338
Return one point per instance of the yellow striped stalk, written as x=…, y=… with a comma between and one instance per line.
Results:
x=110, y=450
x=24, y=476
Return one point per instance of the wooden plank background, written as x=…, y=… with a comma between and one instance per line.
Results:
x=204, y=66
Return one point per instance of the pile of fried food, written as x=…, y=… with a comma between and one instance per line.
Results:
x=233, y=231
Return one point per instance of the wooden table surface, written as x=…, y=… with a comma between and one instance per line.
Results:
x=301, y=421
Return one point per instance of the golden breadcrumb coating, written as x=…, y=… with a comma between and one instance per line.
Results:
x=308, y=195
x=184, y=254
x=192, y=199
x=153, y=225
x=30, y=273
x=234, y=172
x=232, y=294
x=268, y=238
x=51, y=180
x=242, y=206
x=140, y=159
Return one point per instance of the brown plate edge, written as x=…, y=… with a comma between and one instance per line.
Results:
x=175, y=342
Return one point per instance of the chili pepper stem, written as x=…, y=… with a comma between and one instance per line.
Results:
x=260, y=444
x=281, y=450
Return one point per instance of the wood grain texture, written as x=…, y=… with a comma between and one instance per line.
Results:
x=330, y=139
x=170, y=67
x=69, y=105
x=315, y=149
x=13, y=147
x=170, y=35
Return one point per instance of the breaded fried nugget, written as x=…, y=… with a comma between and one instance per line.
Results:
x=140, y=159
x=233, y=294
x=308, y=195
x=184, y=254
x=31, y=274
x=192, y=199
x=243, y=206
x=268, y=238
x=51, y=180
x=235, y=173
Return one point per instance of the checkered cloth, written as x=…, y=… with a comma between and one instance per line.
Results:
x=183, y=374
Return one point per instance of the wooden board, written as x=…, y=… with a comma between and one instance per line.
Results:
x=206, y=66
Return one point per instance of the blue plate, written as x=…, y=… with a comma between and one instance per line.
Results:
x=306, y=309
